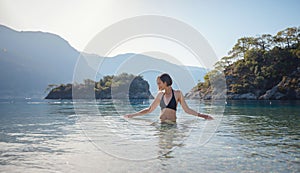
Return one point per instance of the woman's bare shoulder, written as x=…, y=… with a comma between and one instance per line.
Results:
x=177, y=93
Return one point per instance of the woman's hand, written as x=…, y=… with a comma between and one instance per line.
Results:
x=128, y=116
x=207, y=117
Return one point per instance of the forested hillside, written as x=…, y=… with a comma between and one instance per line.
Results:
x=261, y=67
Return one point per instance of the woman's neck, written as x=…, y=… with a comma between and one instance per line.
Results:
x=168, y=90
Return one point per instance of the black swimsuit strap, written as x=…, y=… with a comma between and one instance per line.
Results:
x=171, y=97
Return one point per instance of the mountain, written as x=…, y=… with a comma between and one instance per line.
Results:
x=30, y=61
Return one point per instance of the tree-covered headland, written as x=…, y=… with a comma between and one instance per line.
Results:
x=120, y=87
x=261, y=67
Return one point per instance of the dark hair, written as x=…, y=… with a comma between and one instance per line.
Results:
x=166, y=78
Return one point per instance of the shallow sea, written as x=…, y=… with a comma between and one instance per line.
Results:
x=92, y=136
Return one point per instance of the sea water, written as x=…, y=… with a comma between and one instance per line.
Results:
x=93, y=136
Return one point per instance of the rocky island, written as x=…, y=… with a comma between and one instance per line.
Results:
x=119, y=87
x=264, y=67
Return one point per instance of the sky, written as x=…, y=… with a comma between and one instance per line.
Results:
x=221, y=22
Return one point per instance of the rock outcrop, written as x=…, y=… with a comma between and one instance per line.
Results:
x=117, y=87
x=287, y=89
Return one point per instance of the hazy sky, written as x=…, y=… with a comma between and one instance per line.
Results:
x=221, y=22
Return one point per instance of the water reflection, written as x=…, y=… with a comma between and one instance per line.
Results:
x=260, y=121
x=171, y=137
x=166, y=134
x=267, y=130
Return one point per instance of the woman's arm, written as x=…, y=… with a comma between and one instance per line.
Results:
x=188, y=110
x=151, y=108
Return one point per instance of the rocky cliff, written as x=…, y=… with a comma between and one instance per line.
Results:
x=287, y=88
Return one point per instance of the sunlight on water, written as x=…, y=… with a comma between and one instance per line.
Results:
x=109, y=132
x=47, y=136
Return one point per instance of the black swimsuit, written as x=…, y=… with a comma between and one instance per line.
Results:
x=172, y=104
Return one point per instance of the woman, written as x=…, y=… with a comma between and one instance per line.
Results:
x=168, y=102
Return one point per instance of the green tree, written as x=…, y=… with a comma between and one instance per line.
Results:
x=239, y=49
x=287, y=37
x=264, y=42
x=257, y=63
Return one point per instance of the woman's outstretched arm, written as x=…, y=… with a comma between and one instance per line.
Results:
x=188, y=110
x=151, y=108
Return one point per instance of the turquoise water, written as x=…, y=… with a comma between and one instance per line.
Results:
x=52, y=136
